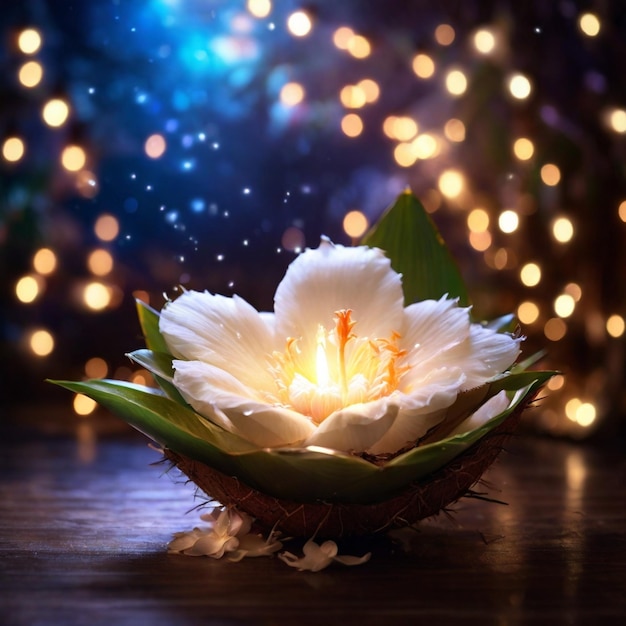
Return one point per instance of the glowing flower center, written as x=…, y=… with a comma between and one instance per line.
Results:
x=345, y=370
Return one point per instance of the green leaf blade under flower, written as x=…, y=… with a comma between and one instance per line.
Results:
x=149, y=321
x=412, y=242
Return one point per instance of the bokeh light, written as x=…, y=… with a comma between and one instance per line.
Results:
x=423, y=65
x=27, y=289
x=299, y=24
x=484, y=41
x=30, y=74
x=352, y=125
x=45, y=261
x=519, y=86
x=530, y=274
x=550, y=174
x=355, y=224
x=155, y=146
x=83, y=405
x=259, y=8
x=456, y=82
x=589, y=24
x=444, y=34
x=55, y=112
x=508, y=221
x=107, y=227
x=13, y=149
x=100, y=262
x=451, y=183
x=73, y=158
x=41, y=342
x=96, y=296
x=29, y=41
x=523, y=148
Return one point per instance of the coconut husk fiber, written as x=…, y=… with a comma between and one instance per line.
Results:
x=419, y=500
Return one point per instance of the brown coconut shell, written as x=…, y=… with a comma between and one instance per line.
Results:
x=421, y=499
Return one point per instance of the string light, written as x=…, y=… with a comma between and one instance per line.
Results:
x=519, y=86
x=359, y=47
x=423, y=66
x=621, y=211
x=425, y=146
x=41, y=342
x=562, y=229
x=550, y=174
x=83, y=405
x=355, y=224
x=353, y=97
x=478, y=220
x=451, y=183
x=352, y=125
x=530, y=274
x=100, y=262
x=574, y=290
x=456, y=82
x=564, y=305
x=523, y=148
x=484, y=41
x=299, y=24
x=73, y=158
x=30, y=74
x=107, y=227
x=404, y=155
x=155, y=146
x=96, y=367
x=370, y=89
x=589, y=24
x=528, y=312
x=617, y=120
x=27, y=289
x=615, y=326
x=444, y=34
x=454, y=130
x=342, y=37
x=292, y=94
x=29, y=41
x=13, y=149
x=508, y=221
x=96, y=296
x=44, y=261
x=555, y=329
x=259, y=8
x=55, y=112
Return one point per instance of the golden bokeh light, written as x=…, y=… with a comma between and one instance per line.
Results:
x=519, y=86
x=478, y=220
x=528, y=312
x=299, y=24
x=404, y=154
x=617, y=120
x=96, y=367
x=44, y=261
x=523, y=149
x=480, y=241
x=574, y=290
x=423, y=66
x=351, y=125
x=292, y=94
x=355, y=224
x=451, y=183
x=530, y=274
x=100, y=262
x=555, y=329
x=562, y=229
x=83, y=405
x=508, y=221
x=456, y=82
x=621, y=211
x=55, y=112
x=589, y=24
x=29, y=41
x=27, y=289
x=359, y=47
x=342, y=37
x=564, y=305
x=484, y=41
x=155, y=146
x=353, y=97
x=556, y=382
x=107, y=227
x=73, y=158
x=550, y=174
x=259, y=8
x=30, y=74
x=370, y=88
x=425, y=146
x=41, y=342
x=454, y=130
x=96, y=296
x=444, y=34
x=615, y=326
x=87, y=184
x=13, y=149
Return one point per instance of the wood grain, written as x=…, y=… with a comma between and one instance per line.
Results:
x=85, y=519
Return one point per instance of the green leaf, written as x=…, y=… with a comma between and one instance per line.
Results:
x=159, y=364
x=417, y=251
x=149, y=320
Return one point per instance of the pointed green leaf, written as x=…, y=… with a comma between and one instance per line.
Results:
x=412, y=242
x=149, y=320
x=159, y=364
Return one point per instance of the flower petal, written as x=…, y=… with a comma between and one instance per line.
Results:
x=494, y=406
x=356, y=427
x=314, y=559
x=330, y=278
x=221, y=398
x=226, y=332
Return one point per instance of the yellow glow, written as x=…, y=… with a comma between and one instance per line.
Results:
x=484, y=41
x=404, y=155
x=13, y=149
x=528, y=312
x=444, y=34
x=454, y=130
x=530, y=274
x=292, y=94
x=27, y=289
x=519, y=86
x=321, y=361
x=30, y=74
x=501, y=258
x=621, y=211
x=41, y=342
x=96, y=368
x=425, y=146
x=550, y=174
x=556, y=382
x=564, y=305
x=456, y=82
x=562, y=229
x=299, y=24
x=359, y=47
x=586, y=414
x=478, y=220
x=555, y=329
x=370, y=89
x=29, y=41
x=352, y=125
x=100, y=262
x=96, y=296
x=353, y=97
x=480, y=241
x=571, y=406
x=83, y=405
x=615, y=326
x=73, y=158
x=508, y=221
x=403, y=128
x=423, y=66
x=342, y=37
x=574, y=290
x=589, y=24
x=259, y=8
x=451, y=183
x=523, y=148
x=44, y=261
x=55, y=112
x=106, y=227
x=617, y=120
x=355, y=224
x=155, y=146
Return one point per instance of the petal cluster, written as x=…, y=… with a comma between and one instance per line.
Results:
x=340, y=363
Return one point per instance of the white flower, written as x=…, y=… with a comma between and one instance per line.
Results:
x=341, y=363
x=228, y=533
x=317, y=557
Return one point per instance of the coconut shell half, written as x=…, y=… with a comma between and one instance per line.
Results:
x=419, y=500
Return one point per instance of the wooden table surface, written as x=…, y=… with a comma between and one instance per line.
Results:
x=85, y=519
